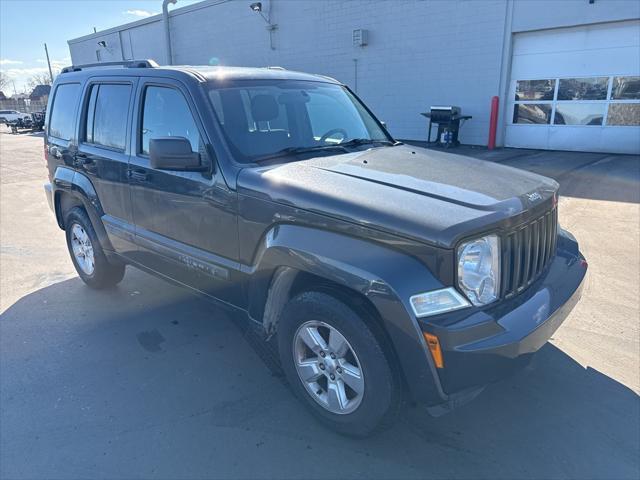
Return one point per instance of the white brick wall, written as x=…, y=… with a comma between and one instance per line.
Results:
x=419, y=53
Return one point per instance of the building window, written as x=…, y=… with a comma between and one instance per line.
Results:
x=583, y=88
x=624, y=114
x=535, y=89
x=578, y=113
x=626, y=88
x=592, y=101
x=532, y=113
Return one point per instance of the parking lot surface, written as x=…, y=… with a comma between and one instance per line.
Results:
x=149, y=381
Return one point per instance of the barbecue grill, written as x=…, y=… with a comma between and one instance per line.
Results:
x=449, y=119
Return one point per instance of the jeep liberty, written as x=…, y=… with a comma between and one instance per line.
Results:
x=378, y=271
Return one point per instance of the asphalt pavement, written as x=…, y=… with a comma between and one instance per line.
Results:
x=149, y=381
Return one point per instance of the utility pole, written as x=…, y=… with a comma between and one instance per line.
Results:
x=46, y=50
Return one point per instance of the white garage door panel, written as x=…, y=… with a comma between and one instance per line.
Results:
x=609, y=62
x=591, y=37
x=605, y=50
x=525, y=136
x=621, y=140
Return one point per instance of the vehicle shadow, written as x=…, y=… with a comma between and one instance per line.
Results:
x=146, y=380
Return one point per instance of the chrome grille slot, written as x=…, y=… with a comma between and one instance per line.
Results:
x=527, y=251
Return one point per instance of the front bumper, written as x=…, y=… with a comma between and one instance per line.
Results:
x=486, y=345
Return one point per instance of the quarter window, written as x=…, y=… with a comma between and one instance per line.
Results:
x=167, y=114
x=107, y=113
x=65, y=101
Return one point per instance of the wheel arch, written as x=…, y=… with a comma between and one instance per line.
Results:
x=356, y=301
x=74, y=189
x=367, y=276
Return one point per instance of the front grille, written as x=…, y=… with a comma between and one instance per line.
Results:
x=527, y=251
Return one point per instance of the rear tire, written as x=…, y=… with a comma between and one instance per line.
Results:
x=87, y=255
x=336, y=365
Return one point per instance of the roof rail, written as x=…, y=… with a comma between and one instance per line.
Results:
x=125, y=64
x=275, y=67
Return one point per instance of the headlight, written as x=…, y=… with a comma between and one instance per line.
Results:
x=479, y=269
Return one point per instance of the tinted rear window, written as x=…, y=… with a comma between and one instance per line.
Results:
x=63, y=111
x=107, y=115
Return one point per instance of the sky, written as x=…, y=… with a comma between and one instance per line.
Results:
x=25, y=25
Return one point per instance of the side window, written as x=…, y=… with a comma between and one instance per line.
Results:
x=106, y=120
x=65, y=101
x=166, y=114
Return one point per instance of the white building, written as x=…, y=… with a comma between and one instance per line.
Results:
x=567, y=72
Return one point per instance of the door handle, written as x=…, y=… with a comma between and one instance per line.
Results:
x=82, y=159
x=138, y=175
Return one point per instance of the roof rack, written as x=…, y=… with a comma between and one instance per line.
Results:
x=124, y=64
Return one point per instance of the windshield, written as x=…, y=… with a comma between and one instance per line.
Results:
x=272, y=118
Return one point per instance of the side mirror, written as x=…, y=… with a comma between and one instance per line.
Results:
x=173, y=153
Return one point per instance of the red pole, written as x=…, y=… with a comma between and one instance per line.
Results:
x=493, y=123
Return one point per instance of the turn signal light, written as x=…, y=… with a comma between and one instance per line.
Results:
x=434, y=348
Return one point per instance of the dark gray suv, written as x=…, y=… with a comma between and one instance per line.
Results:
x=379, y=271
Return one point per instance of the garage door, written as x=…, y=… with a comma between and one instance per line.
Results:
x=576, y=89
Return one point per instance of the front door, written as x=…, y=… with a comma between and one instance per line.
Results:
x=185, y=221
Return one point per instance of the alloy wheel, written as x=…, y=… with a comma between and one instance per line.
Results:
x=82, y=249
x=328, y=367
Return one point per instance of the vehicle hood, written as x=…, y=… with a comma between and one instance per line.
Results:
x=431, y=196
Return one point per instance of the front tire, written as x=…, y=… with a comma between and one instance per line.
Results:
x=337, y=366
x=87, y=255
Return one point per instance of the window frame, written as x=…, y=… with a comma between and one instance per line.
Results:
x=86, y=103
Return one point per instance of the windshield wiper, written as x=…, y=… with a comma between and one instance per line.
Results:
x=295, y=150
x=354, y=142
x=341, y=146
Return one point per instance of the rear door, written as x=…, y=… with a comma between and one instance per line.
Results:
x=103, y=153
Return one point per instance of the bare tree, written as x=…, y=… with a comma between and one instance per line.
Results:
x=39, y=79
x=4, y=81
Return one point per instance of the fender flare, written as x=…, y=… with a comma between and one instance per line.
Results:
x=70, y=182
x=386, y=277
